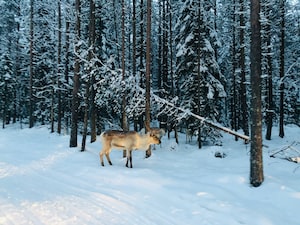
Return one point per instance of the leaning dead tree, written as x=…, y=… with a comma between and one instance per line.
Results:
x=173, y=107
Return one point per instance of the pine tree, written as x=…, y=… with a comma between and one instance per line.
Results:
x=199, y=79
x=9, y=62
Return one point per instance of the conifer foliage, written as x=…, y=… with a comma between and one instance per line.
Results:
x=78, y=66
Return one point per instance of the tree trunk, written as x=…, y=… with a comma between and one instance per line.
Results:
x=31, y=100
x=86, y=115
x=256, y=163
x=17, y=104
x=115, y=3
x=59, y=106
x=148, y=71
x=89, y=84
x=93, y=111
x=135, y=116
x=281, y=88
x=164, y=93
x=142, y=45
x=199, y=73
x=234, y=102
x=244, y=107
x=66, y=79
x=75, y=99
x=270, y=104
x=92, y=39
x=172, y=91
x=52, y=105
x=124, y=103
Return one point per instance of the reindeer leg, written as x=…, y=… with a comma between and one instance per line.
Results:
x=107, y=157
x=101, y=158
x=129, y=159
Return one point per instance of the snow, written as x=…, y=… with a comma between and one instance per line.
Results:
x=43, y=181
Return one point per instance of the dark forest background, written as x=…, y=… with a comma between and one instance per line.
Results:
x=81, y=66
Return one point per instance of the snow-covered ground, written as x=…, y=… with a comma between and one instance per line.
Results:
x=43, y=181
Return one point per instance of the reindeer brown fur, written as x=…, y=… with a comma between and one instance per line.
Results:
x=125, y=140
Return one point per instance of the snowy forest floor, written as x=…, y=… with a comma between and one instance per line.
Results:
x=43, y=181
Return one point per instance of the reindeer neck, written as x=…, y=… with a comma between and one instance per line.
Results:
x=144, y=141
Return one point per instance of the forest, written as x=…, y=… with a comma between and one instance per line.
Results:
x=83, y=66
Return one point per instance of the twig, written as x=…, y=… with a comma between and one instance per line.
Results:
x=282, y=150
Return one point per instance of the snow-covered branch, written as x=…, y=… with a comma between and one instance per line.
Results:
x=202, y=119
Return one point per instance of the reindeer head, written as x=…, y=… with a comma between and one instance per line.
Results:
x=153, y=139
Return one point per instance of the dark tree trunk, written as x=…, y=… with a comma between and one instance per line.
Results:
x=67, y=94
x=115, y=3
x=93, y=111
x=52, y=105
x=256, y=163
x=234, y=102
x=134, y=53
x=17, y=104
x=164, y=64
x=142, y=45
x=89, y=85
x=199, y=73
x=164, y=50
x=59, y=106
x=86, y=115
x=172, y=85
x=270, y=104
x=92, y=39
x=31, y=100
x=124, y=103
x=75, y=99
x=172, y=91
x=244, y=108
x=148, y=71
x=281, y=88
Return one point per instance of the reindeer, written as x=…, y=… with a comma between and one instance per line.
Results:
x=190, y=132
x=128, y=140
x=189, y=135
x=158, y=132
